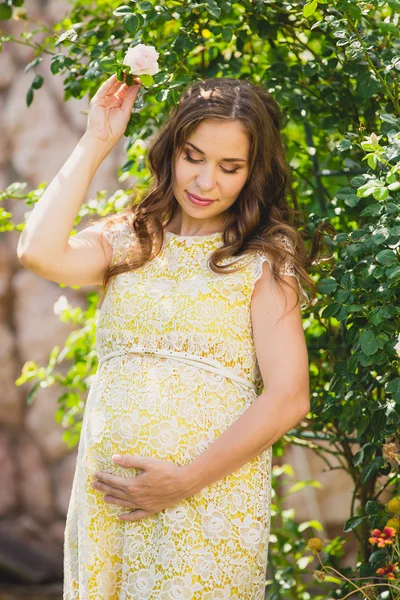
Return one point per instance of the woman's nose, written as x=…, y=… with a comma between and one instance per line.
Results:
x=206, y=180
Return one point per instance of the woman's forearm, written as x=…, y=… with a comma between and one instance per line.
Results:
x=48, y=228
x=268, y=418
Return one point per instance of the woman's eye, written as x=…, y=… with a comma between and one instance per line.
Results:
x=190, y=159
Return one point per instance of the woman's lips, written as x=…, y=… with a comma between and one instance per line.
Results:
x=198, y=202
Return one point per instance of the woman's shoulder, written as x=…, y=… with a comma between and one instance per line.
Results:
x=287, y=267
x=118, y=233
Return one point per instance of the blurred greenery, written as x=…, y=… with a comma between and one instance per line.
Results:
x=334, y=69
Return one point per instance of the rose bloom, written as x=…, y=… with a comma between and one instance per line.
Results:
x=142, y=60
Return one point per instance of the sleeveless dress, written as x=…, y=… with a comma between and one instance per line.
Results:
x=190, y=373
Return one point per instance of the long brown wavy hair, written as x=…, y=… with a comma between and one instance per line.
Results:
x=259, y=216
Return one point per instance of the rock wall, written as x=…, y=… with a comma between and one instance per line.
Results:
x=36, y=465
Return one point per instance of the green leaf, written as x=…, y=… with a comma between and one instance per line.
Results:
x=393, y=273
x=147, y=80
x=108, y=65
x=352, y=523
x=390, y=118
x=340, y=33
x=331, y=579
x=299, y=485
x=357, y=181
x=310, y=8
x=343, y=145
x=35, y=62
x=373, y=508
x=32, y=393
x=368, y=188
x=371, y=468
x=341, y=237
x=132, y=125
x=367, y=85
x=29, y=96
x=122, y=10
x=131, y=24
x=56, y=66
x=393, y=388
x=227, y=34
x=358, y=457
x=313, y=523
x=372, y=161
x=37, y=82
x=377, y=556
x=372, y=210
x=369, y=343
x=380, y=193
x=213, y=8
x=331, y=310
x=328, y=285
x=70, y=35
x=145, y=6
x=343, y=193
x=389, y=28
x=352, y=200
x=5, y=12
x=162, y=95
x=386, y=257
x=347, y=281
x=394, y=186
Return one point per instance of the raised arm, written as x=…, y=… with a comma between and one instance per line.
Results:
x=46, y=246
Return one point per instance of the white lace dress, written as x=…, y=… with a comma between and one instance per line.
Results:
x=171, y=404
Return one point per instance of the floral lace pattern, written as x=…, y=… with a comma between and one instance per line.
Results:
x=214, y=544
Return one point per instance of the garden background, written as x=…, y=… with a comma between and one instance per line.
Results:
x=334, y=68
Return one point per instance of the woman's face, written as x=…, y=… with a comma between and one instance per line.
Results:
x=221, y=152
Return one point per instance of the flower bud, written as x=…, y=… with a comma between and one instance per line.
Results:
x=393, y=505
x=315, y=544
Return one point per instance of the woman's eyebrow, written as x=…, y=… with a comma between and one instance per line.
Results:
x=226, y=159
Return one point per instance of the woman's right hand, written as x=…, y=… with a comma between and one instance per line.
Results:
x=110, y=110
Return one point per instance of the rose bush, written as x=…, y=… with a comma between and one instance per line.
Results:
x=334, y=68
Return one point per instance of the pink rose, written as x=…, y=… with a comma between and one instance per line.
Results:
x=142, y=60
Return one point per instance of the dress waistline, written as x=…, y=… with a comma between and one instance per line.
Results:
x=203, y=362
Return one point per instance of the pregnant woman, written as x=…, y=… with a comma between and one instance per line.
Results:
x=202, y=357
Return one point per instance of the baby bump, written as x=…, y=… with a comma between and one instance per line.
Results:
x=158, y=407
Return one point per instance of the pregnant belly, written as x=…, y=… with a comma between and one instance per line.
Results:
x=157, y=407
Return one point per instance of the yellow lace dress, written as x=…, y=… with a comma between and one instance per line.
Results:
x=201, y=376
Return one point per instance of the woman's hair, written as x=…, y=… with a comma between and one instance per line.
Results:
x=259, y=217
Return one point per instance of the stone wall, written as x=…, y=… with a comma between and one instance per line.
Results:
x=36, y=465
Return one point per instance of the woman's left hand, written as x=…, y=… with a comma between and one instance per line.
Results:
x=160, y=484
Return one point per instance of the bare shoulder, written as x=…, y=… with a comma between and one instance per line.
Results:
x=278, y=333
x=269, y=297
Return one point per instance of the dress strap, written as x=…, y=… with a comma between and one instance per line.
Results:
x=208, y=364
